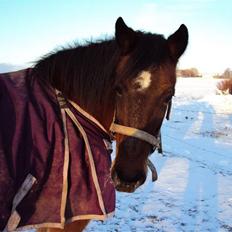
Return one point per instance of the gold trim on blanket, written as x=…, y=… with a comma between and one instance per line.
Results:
x=63, y=107
x=15, y=218
x=70, y=220
x=87, y=115
x=13, y=222
x=90, y=216
x=91, y=160
x=65, y=169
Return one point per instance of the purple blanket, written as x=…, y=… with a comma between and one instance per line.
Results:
x=32, y=160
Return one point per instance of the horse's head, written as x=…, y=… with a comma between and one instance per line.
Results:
x=145, y=84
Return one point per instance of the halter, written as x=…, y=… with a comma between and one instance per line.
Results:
x=155, y=141
x=140, y=134
x=136, y=133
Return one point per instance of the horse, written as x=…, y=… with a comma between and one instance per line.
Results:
x=113, y=89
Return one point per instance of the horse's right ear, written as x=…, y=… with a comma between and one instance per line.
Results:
x=125, y=36
x=178, y=41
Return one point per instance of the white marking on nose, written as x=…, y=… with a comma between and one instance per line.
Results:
x=143, y=80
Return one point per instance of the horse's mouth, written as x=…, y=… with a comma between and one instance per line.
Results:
x=127, y=187
x=123, y=186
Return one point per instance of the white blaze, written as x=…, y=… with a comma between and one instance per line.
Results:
x=144, y=80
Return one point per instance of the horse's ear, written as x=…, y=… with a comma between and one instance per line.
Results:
x=178, y=41
x=125, y=36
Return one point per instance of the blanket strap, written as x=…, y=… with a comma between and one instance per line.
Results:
x=63, y=105
x=15, y=218
x=65, y=168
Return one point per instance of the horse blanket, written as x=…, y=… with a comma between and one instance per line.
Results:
x=41, y=184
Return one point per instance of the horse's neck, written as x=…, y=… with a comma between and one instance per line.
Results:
x=93, y=90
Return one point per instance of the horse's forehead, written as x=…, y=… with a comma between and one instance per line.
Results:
x=143, y=80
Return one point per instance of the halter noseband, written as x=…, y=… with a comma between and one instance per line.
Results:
x=140, y=134
x=133, y=132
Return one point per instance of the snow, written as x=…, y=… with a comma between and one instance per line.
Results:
x=194, y=187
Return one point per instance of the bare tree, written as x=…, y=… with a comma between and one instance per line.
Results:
x=227, y=74
x=225, y=86
x=191, y=72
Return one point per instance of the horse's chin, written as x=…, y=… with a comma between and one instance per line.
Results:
x=127, y=187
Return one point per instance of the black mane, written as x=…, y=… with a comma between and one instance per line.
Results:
x=86, y=74
x=81, y=72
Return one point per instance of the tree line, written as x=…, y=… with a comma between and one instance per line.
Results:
x=190, y=72
x=193, y=72
x=227, y=74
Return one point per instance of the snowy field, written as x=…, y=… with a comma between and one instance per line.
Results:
x=194, y=188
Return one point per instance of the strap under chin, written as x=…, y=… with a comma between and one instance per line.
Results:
x=153, y=170
x=169, y=110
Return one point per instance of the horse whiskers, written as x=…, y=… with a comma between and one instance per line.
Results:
x=137, y=184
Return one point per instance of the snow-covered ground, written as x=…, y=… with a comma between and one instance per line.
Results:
x=194, y=188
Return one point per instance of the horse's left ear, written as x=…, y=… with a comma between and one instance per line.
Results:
x=178, y=41
x=125, y=36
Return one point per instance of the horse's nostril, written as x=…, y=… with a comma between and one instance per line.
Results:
x=131, y=177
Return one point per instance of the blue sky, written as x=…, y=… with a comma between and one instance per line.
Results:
x=31, y=28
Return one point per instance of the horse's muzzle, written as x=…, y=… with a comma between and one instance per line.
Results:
x=126, y=186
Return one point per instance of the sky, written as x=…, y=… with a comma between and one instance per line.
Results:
x=32, y=28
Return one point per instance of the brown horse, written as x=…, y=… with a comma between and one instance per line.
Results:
x=128, y=80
